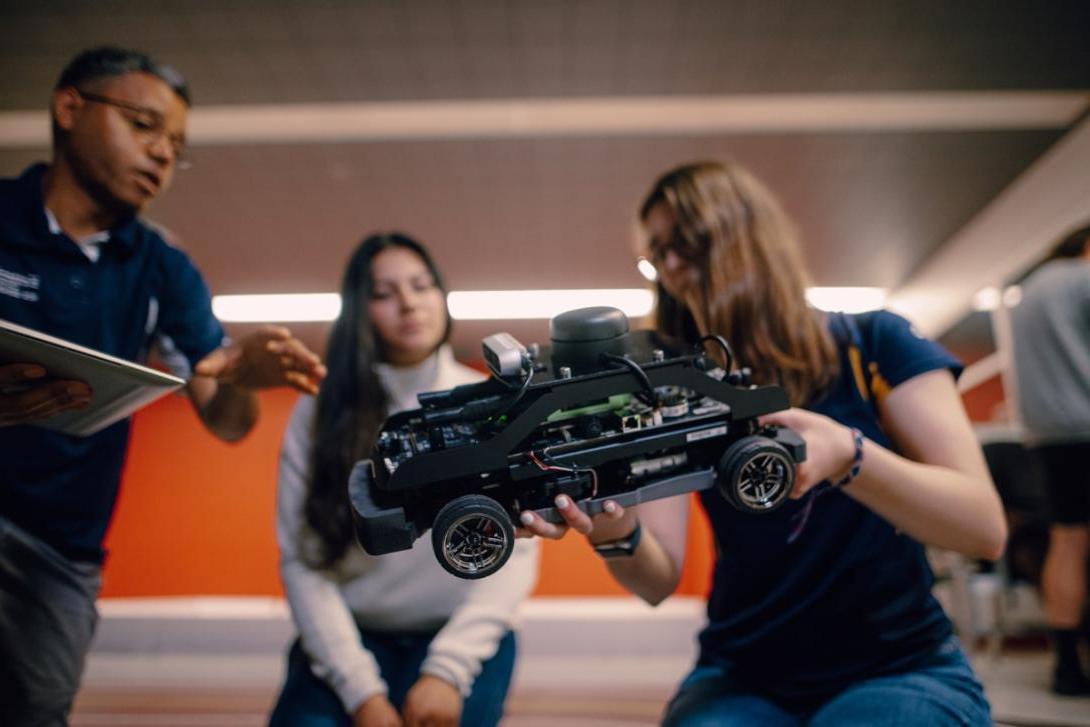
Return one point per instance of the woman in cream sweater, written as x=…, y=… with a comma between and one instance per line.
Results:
x=390, y=640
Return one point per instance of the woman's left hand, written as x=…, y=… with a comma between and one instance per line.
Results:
x=432, y=702
x=830, y=448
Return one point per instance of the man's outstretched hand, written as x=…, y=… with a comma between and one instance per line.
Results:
x=265, y=359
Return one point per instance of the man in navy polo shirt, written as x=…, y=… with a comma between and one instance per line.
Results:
x=77, y=262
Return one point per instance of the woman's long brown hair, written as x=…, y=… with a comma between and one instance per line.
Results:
x=753, y=280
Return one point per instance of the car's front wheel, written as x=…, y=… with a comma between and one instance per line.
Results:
x=472, y=536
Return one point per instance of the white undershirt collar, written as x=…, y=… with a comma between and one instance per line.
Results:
x=91, y=245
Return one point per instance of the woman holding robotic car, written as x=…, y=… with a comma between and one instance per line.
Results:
x=821, y=611
x=391, y=640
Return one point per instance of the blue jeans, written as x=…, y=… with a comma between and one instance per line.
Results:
x=307, y=701
x=47, y=620
x=944, y=691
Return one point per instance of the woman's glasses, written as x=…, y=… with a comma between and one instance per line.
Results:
x=687, y=250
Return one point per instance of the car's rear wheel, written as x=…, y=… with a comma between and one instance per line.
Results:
x=472, y=536
x=756, y=474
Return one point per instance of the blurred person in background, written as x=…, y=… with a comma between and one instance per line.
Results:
x=1051, y=327
x=392, y=639
x=821, y=611
x=78, y=262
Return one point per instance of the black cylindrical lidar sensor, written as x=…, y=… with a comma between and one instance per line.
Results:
x=581, y=336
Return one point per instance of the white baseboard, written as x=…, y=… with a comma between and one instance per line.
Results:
x=243, y=626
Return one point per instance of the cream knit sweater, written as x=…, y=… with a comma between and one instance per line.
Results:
x=402, y=591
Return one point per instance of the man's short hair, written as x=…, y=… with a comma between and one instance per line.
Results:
x=106, y=61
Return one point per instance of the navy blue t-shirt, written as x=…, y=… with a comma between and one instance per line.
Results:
x=849, y=598
x=141, y=290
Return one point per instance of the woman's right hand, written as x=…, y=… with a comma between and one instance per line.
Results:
x=613, y=523
x=376, y=711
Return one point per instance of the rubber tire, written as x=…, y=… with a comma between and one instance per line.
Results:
x=733, y=463
x=457, y=511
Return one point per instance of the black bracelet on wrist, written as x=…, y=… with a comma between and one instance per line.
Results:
x=622, y=547
x=857, y=460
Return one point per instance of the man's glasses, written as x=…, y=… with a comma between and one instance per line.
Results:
x=146, y=123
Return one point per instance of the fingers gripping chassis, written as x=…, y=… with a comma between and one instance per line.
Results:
x=594, y=437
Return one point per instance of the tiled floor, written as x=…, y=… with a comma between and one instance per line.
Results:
x=1017, y=684
x=218, y=663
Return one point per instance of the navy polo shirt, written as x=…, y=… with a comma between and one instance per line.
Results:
x=850, y=597
x=140, y=291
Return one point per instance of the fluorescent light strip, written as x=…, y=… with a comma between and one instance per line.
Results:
x=464, y=305
x=500, y=305
x=476, y=305
x=846, y=299
x=606, y=115
x=277, y=308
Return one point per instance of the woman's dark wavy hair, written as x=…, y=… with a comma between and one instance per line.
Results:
x=352, y=401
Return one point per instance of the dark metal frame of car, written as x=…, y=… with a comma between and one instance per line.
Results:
x=607, y=418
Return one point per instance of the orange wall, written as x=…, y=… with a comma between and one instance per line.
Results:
x=985, y=402
x=196, y=516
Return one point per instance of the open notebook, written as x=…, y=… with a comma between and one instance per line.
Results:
x=118, y=387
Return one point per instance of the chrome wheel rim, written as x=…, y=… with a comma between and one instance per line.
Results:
x=763, y=480
x=474, y=543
